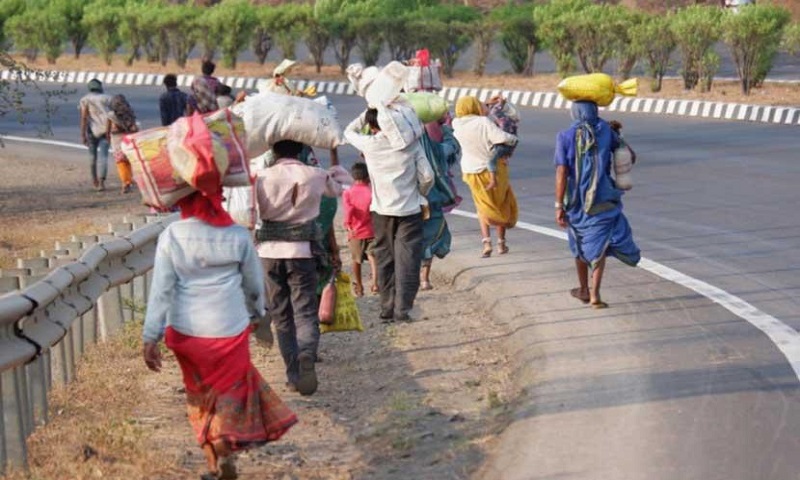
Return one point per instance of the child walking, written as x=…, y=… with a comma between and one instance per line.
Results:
x=358, y=223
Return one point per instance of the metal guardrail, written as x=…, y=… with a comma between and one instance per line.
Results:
x=54, y=306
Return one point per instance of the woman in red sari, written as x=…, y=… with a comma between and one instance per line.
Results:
x=207, y=285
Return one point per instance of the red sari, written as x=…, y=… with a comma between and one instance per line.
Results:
x=230, y=405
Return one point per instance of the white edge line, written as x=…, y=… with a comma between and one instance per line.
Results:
x=785, y=338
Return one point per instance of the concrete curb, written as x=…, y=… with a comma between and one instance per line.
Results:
x=784, y=115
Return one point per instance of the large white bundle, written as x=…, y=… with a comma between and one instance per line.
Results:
x=400, y=123
x=269, y=118
x=387, y=85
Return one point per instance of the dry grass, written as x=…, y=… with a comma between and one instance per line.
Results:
x=770, y=94
x=94, y=432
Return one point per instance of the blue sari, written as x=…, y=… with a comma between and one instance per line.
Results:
x=442, y=156
x=593, y=203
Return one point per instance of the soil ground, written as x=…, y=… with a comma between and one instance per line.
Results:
x=418, y=400
x=769, y=94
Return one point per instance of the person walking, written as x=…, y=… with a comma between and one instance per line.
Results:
x=443, y=151
x=207, y=286
x=400, y=179
x=488, y=181
x=204, y=90
x=288, y=194
x=358, y=223
x=94, y=108
x=588, y=204
x=173, y=103
x=121, y=121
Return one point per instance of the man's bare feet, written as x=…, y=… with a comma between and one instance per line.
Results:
x=580, y=294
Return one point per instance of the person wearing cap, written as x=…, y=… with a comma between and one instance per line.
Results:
x=94, y=107
x=283, y=86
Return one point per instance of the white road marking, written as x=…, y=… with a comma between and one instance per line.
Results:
x=785, y=338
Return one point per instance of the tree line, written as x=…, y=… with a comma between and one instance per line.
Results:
x=581, y=35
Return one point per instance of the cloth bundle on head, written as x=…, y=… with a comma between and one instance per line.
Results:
x=123, y=113
x=284, y=67
x=205, y=174
x=468, y=106
x=361, y=78
x=596, y=87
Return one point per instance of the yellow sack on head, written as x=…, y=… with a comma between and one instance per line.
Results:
x=346, y=315
x=596, y=87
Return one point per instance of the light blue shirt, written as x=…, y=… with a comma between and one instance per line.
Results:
x=207, y=282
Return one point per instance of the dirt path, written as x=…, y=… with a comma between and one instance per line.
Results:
x=420, y=400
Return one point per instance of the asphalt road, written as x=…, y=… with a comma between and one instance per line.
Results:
x=713, y=199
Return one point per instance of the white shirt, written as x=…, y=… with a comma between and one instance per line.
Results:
x=97, y=107
x=400, y=179
x=477, y=135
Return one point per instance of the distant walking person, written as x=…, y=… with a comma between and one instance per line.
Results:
x=588, y=203
x=94, y=122
x=173, y=102
x=486, y=175
x=204, y=89
x=121, y=121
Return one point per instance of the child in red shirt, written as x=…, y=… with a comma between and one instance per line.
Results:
x=358, y=222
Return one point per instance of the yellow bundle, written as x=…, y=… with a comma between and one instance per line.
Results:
x=596, y=87
x=346, y=317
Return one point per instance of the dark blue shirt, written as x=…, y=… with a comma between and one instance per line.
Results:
x=172, y=104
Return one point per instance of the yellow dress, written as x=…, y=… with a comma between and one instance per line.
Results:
x=498, y=206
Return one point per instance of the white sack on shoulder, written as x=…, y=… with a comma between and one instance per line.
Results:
x=400, y=123
x=387, y=85
x=269, y=118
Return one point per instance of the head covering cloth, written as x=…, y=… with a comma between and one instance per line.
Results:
x=468, y=106
x=123, y=112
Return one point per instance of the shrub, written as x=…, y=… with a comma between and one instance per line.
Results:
x=102, y=21
x=554, y=28
x=754, y=35
x=655, y=42
x=232, y=23
x=518, y=36
x=696, y=29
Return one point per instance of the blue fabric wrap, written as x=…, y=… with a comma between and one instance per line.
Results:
x=436, y=234
x=593, y=205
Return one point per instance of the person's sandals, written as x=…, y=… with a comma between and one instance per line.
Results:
x=226, y=469
x=487, y=247
x=502, y=248
x=307, y=381
x=576, y=293
x=599, y=304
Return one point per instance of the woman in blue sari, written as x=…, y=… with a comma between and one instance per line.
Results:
x=588, y=203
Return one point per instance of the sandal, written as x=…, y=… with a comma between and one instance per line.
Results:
x=227, y=469
x=599, y=305
x=487, y=247
x=502, y=248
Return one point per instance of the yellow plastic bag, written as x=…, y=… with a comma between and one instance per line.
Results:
x=596, y=87
x=346, y=313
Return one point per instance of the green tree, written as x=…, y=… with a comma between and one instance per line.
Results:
x=262, y=41
x=367, y=27
x=754, y=35
x=555, y=30
x=626, y=52
x=287, y=30
x=233, y=22
x=52, y=33
x=180, y=24
x=518, y=36
x=343, y=31
x=8, y=9
x=791, y=39
x=102, y=22
x=696, y=29
x=593, y=34
x=484, y=31
x=25, y=31
x=209, y=37
x=72, y=11
x=135, y=30
x=655, y=42
x=317, y=38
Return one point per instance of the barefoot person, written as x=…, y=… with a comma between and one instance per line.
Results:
x=121, y=121
x=588, y=204
x=443, y=151
x=488, y=181
x=207, y=285
x=358, y=223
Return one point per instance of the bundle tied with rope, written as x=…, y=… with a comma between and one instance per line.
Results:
x=596, y=87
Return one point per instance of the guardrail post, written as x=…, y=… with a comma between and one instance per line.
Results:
x=14, y=413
